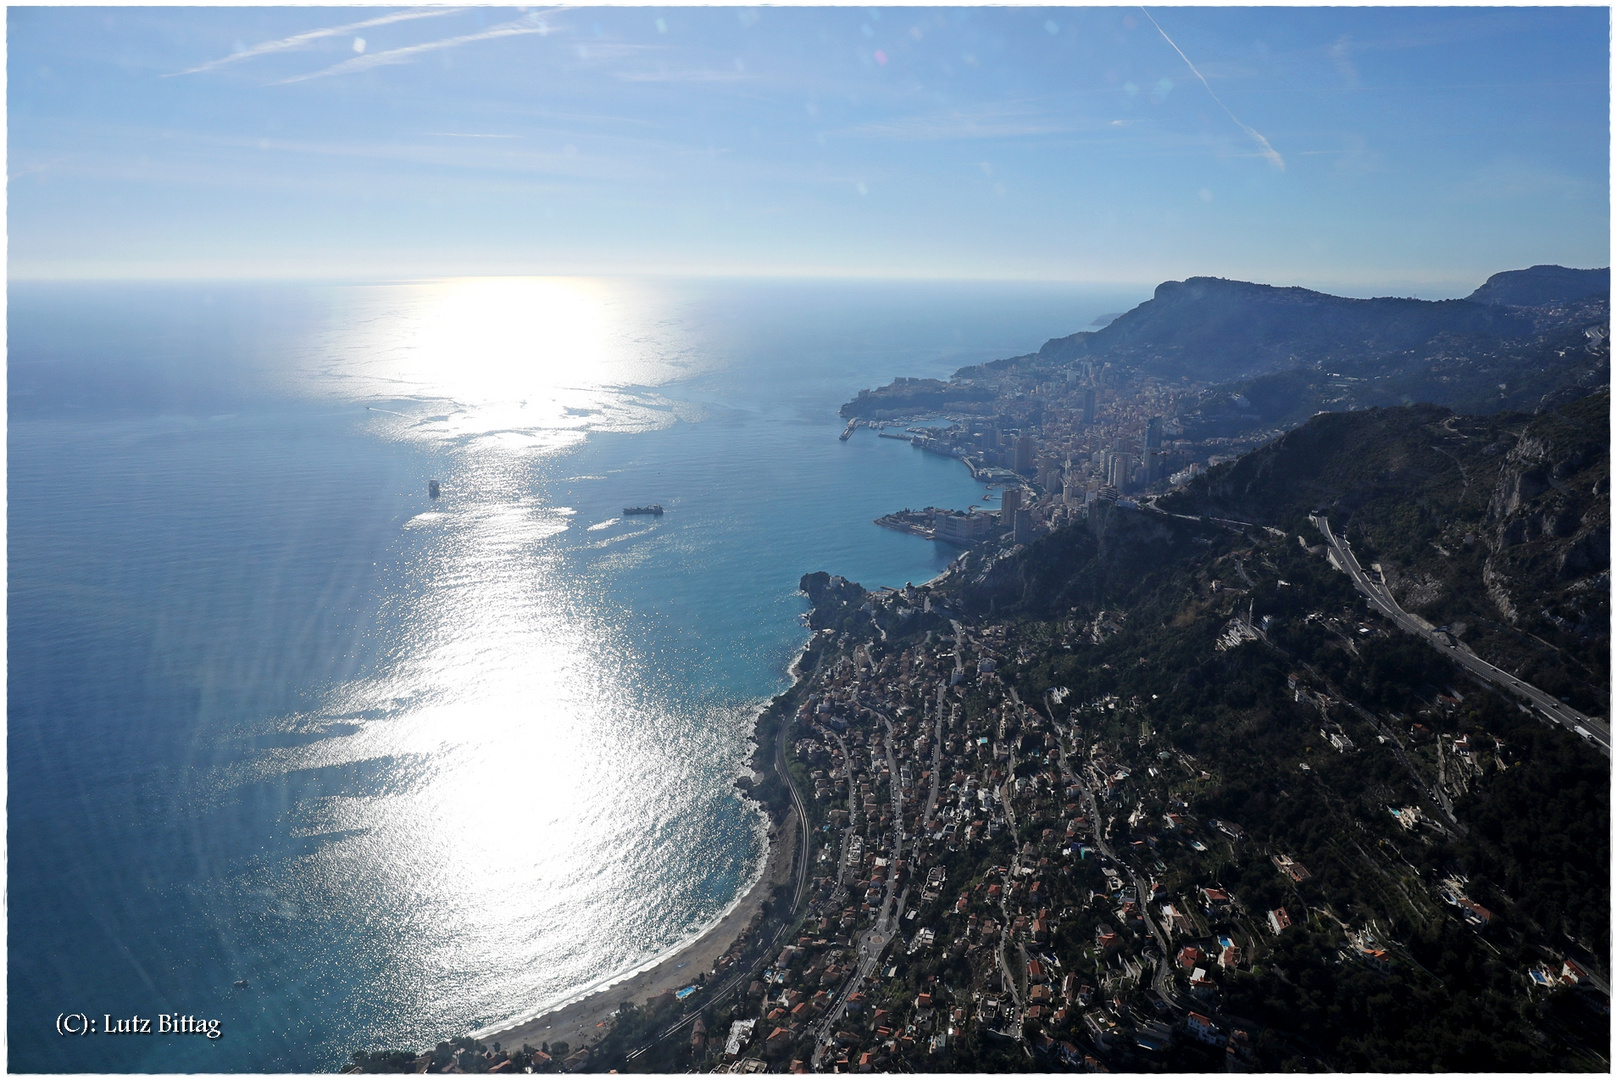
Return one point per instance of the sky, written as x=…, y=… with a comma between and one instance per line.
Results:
x=1369, y=150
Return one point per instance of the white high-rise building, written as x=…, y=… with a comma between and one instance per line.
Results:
x=1121, y=473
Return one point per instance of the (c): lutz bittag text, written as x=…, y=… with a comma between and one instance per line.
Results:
x=161, y=1024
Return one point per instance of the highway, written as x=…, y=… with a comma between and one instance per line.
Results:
x=1593, y=731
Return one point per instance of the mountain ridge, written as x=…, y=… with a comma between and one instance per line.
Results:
x=1219, y=328
x=1299, y=352
x=1540, y=285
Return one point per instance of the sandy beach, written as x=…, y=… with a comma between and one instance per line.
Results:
x=579, y=1023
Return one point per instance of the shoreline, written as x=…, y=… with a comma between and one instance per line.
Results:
x=582, y=1020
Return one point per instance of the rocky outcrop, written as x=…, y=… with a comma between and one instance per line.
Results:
x=833, y=597
x=1549, y=515
x=912, y=397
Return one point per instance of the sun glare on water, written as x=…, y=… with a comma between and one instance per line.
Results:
x=530, y=363
x=537, y=779
x=509, y=339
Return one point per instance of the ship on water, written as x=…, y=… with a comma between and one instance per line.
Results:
x=847, y=431
x=432, y=489
x=655, y=509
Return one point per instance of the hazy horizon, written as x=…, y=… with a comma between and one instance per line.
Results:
x=1353, y=290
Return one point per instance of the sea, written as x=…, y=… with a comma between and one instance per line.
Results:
x=296, y=747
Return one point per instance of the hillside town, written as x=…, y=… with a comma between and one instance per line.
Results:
x=1137, y=786
x=995, y=877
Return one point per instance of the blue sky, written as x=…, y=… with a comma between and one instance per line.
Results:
x=1392, y=149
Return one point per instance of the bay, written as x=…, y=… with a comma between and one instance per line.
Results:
x=408, y=766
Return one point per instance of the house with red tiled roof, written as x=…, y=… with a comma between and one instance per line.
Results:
x=1202, y=1029
x=1475, y=914
x=779, y=1041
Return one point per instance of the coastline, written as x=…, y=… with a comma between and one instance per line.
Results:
x=584, y=1019
x=581, y=1021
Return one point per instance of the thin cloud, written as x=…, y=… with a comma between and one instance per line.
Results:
x=1268, y=152
x=532, y=23
x=696, y=76
x=36, y=168
x=297, y=40
x=992, y=122
x=1342, y=55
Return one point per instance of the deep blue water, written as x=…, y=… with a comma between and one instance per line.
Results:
x=413, y=766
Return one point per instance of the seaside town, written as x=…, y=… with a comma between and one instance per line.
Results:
x=1058, y=442
x=782, y=538
x=1136, y=785
x=1028, y=842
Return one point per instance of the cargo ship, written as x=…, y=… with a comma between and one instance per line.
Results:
x=653, y=509
x=847, y=431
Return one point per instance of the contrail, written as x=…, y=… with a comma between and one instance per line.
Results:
x=1263, y=144
x=531, y=23
x=312, y=35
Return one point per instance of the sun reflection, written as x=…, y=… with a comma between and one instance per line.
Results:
x=509, y=339
x=532, y=362
x=537, y=787
x=538, y=793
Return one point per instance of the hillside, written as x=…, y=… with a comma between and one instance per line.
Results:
x=1205, y=811
x=1335, y=741
x=1159, y=793
x=1243, y=361
x=1499, y=525
x=1214, y=329
x=1275, y=356
x=1539, y=286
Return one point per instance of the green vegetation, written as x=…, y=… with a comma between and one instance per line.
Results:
x=1497, y=526
x=1155, y=741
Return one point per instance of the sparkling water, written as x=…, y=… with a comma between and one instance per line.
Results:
x=297, y=747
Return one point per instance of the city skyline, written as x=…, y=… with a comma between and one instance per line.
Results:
x=1357, y=150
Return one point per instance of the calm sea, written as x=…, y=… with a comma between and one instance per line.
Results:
x=410, y=766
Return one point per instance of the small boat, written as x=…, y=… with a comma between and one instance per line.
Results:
x=432, y=489
x=240, y=984
x=656, y=509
